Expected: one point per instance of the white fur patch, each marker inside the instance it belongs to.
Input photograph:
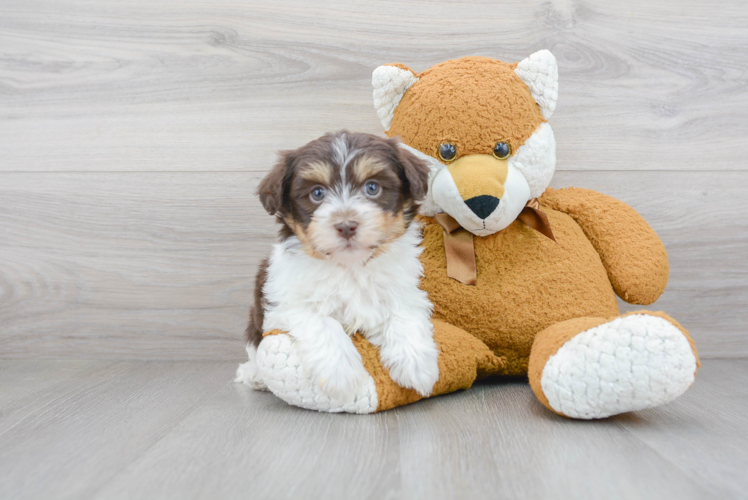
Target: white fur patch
(343, 156)
(628, 364)
(247, 372)
(278, 363)
(536, 159)
(390, 84)
(338, 206)
(540, 74)
(320, 302)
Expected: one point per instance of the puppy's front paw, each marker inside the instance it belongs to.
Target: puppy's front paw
(413, 367)
(338, 371)
(340, 379)
(247, 374)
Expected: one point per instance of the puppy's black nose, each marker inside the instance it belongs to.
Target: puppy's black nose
(482, 205)
(347, 229)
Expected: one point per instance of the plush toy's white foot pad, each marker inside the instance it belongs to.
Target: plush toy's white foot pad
(280, 368)
(628, 364)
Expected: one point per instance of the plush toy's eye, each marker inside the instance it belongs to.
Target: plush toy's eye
(502, 150)
(317, 194)
(447, 151)
(372, 189)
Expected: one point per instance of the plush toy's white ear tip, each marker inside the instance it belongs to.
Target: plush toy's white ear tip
(540, 74)
(390, 84)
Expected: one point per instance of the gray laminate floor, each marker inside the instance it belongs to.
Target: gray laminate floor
(98, 429)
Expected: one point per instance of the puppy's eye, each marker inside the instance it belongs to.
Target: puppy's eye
(447, 151)
(317, 194)
(372, 189)
(502, 150)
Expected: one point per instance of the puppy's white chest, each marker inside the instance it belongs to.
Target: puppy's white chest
(361, 298)
(358, 300)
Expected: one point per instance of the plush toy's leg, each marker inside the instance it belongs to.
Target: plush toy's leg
(462, 359)
(279, 365)
(247, 372)
(594, 367)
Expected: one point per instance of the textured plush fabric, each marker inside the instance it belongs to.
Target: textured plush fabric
(526, 282)
(455, 100)
(280, 367)
(632, 253)
(548, 342)
(597, 367)
(390, 83)
(540, 73)
(462, 360)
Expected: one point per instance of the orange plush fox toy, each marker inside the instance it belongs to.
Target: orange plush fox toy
(522, 277)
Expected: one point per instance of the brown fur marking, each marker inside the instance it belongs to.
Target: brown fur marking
(318, 172)
(253, 333)
(365, 168)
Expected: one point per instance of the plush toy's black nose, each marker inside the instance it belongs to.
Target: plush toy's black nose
(482, 205)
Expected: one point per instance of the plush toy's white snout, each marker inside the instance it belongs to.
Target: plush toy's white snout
(483, 214)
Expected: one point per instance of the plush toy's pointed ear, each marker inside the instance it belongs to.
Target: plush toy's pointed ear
(390, 83)
(540, 73)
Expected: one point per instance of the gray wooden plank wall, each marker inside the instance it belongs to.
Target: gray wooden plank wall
(133, 134)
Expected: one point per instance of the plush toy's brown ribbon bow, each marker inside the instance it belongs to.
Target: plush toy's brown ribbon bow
(458, 242)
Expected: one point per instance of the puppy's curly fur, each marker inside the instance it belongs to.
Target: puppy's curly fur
(346, 262)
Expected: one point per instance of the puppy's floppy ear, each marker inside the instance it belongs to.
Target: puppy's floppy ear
(274, 188)
(416, 172)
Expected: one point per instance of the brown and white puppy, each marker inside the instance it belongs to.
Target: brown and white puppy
(346, 262)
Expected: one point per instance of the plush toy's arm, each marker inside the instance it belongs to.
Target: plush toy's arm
(632, 253)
